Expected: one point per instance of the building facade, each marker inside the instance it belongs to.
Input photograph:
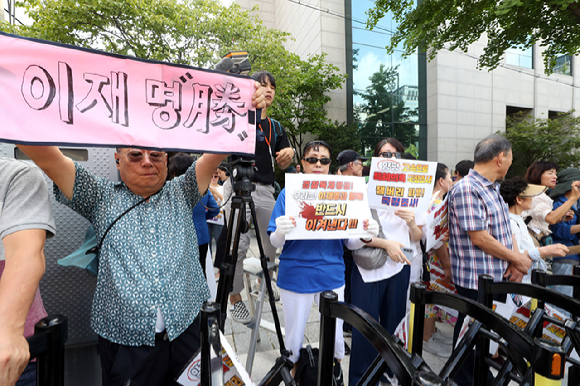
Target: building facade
(444, 106)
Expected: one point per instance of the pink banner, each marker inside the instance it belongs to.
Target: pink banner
(63, 95)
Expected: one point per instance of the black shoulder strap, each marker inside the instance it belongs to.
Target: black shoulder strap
(277, 127)
(96, 249)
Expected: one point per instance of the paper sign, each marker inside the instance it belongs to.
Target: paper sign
(234, 372)
(326, 206)
(217, 220)
(64, 95)
(437, 224)
(401, 184)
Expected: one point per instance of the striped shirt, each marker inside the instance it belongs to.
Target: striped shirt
(476, 205)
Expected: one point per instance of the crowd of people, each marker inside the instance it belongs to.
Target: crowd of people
(151, 281)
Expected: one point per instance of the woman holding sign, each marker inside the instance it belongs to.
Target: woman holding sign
(381, 292)
(309, 267)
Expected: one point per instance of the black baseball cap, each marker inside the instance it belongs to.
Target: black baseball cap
(347, 156)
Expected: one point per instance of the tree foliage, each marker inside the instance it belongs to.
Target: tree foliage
(382, 108)
(554, 24)
(196, 33)
(305, 89)
(537, 139)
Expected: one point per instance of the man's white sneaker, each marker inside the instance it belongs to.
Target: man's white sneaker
(442, 339)
(439, 350)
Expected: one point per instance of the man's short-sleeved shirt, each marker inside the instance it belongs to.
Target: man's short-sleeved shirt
(149, 259)
(476, 205)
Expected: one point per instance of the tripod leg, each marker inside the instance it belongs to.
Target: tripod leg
(264, 261)
(227, 269)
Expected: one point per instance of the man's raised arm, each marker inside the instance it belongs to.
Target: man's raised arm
(59, 168)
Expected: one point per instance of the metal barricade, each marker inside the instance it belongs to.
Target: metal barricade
(47, 346)
(532, 361)
(409, 369)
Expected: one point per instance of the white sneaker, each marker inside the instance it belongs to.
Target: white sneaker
(441, 339)
(439, 350)
(240, 313)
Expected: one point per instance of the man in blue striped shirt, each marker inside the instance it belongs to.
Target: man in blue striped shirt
(480, 237)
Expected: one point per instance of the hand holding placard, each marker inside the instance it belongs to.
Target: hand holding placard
(284, 225)
(372, 227)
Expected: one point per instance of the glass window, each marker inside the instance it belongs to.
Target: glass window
(520, 57)
(385, 87)
(563, 65)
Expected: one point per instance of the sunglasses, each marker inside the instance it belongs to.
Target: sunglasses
(136, 156)
(314, 160)
(388, 154)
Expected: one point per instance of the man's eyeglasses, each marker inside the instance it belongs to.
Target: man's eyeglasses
(388, 154)
(314, 160)
(136, 156)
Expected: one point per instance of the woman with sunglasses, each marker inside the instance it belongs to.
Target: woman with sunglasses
(382, 292)
(309, 267)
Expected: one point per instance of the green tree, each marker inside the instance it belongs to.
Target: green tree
(536, 139)
(301, 95)
(341, 136)
(432, 25)
(382, 108)
(196, 33)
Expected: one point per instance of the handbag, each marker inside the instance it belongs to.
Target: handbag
(370, 258)
(87, 256)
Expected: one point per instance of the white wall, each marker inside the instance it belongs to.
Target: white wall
(466, 104)
(314, 32)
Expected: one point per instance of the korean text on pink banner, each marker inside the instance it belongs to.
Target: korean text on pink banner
(63, 95)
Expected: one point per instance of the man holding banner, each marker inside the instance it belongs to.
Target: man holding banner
(150, 286)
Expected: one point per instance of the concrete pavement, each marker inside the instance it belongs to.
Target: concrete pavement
(267, 348)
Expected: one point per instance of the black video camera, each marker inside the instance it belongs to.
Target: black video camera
(235, 62)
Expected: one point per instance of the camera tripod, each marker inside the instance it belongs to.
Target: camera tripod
(242, 187)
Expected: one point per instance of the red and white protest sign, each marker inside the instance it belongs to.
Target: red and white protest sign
(401, 184)
(64, 95)
(326, 206)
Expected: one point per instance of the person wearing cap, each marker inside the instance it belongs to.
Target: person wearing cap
(566, 232)
(518, 195)
(350, 163)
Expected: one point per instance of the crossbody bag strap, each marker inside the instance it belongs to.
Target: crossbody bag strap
(96, 249)
(376, 218)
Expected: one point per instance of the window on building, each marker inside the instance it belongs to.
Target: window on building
(563, 65)
(520, 57)
(516, 112)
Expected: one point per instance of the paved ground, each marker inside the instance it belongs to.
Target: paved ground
(267, 349)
